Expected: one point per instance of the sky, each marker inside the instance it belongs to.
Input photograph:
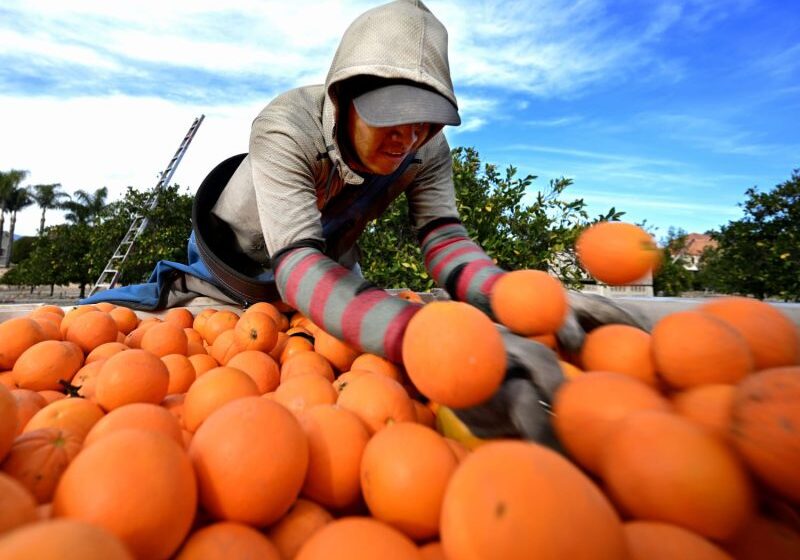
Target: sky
(668, 110)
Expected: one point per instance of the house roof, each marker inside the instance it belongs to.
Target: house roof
(696, 243)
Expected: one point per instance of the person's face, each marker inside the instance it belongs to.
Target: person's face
(381, 150)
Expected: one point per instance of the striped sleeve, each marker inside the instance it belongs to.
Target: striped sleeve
(343, 303)
(458, 264)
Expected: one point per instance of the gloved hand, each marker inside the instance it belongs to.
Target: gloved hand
(521, 407)
(589, 311)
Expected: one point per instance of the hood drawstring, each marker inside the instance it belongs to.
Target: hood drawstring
(330, 178)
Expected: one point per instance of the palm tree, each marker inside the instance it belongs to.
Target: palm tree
(9, 182)
(84, 207)
(17, 200)
(47, 197)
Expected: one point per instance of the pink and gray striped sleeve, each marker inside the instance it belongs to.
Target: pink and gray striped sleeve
(343, 303)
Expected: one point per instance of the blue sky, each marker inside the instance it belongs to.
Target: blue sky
(667, 110)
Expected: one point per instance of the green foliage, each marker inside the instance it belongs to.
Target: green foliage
(759, 255)
(78, 252)
(22, 249)
(672, 278)
(517, 234)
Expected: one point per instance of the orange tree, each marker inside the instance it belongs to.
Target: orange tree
(516, 224)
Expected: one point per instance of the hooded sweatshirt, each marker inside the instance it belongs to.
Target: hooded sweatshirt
(295, 207)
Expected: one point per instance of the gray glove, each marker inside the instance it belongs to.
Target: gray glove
(521, 407)
(589, 311)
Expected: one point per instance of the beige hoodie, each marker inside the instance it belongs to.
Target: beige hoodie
(285, 191)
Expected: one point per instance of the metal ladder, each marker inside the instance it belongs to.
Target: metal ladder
(108, 278)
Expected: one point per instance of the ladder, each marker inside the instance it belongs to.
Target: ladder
(108, 278)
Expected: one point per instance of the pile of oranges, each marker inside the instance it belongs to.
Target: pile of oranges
(255, 433)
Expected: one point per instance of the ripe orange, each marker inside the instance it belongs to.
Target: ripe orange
(51, 539)
(103, 486)
(377, 364)
(73, 414)
(296, 527)
(617, 252)
(709, 406)
(404, 473)
(346, 378)
(140, 416)
(619, 348)
(44, 364)
(766, 427)
(227, 540)
(28, 403)
(212, 390)
(772, 337)
(301, 392)
(307, 362)
(529, 302)
(336, 441)
(73, 314)
(125, 319)
(651, 540)
(17, 505)
(86, 379)
(165, 338)
(255, 331)
(509, 498)
(358, 538)
(181, 373)
(179, 316)
(104, 351)
(588, 407)
(263, 482)
(693, 348)
(217, 323)
(338, 353)
(39, 458)
(17, 335)
(377, 400)
(454, 354)
(764, 538)
(260, 367)
(224, 346)
(661, 467)
(91, 329)
(202, 363)
(131, 376)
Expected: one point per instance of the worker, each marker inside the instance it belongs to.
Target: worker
(282, 221)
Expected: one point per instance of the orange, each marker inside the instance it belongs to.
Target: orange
(140, 416)
(28, 403)
(151, 514)
(63, 539)
(91, 329)
(650, 540)
(772, 337)
(17, 505)
(73, 414)
(529, 302)
(377, 364)
(661, 467)
(346, 378)
(617, 252)
(766, 425)
(202, 363)
(125, 319)
(764, 538)
(200, 319)
(303, 520)
(260, 486)
(131, 376)
(305, 391)
(358, 538)
(306, 362)
(86, 379)
(255, 331)
(260, 367)
(377, 400)
(588, 407)
(212, 390)
(620, 348)
(224, 346)
(105, 350)
(38, 459)
(709, 406)
(165, 338)
(179, 316)
(73, 314)
(181, 373)
(509, 498)
(693, 348)
(336, 441)
(228, 540)
(218, 323)
(404, 473)
(338, 353)
(454, 354)
(17, 335)
(45, 364)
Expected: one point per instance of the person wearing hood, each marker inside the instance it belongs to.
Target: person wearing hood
(282, 221)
